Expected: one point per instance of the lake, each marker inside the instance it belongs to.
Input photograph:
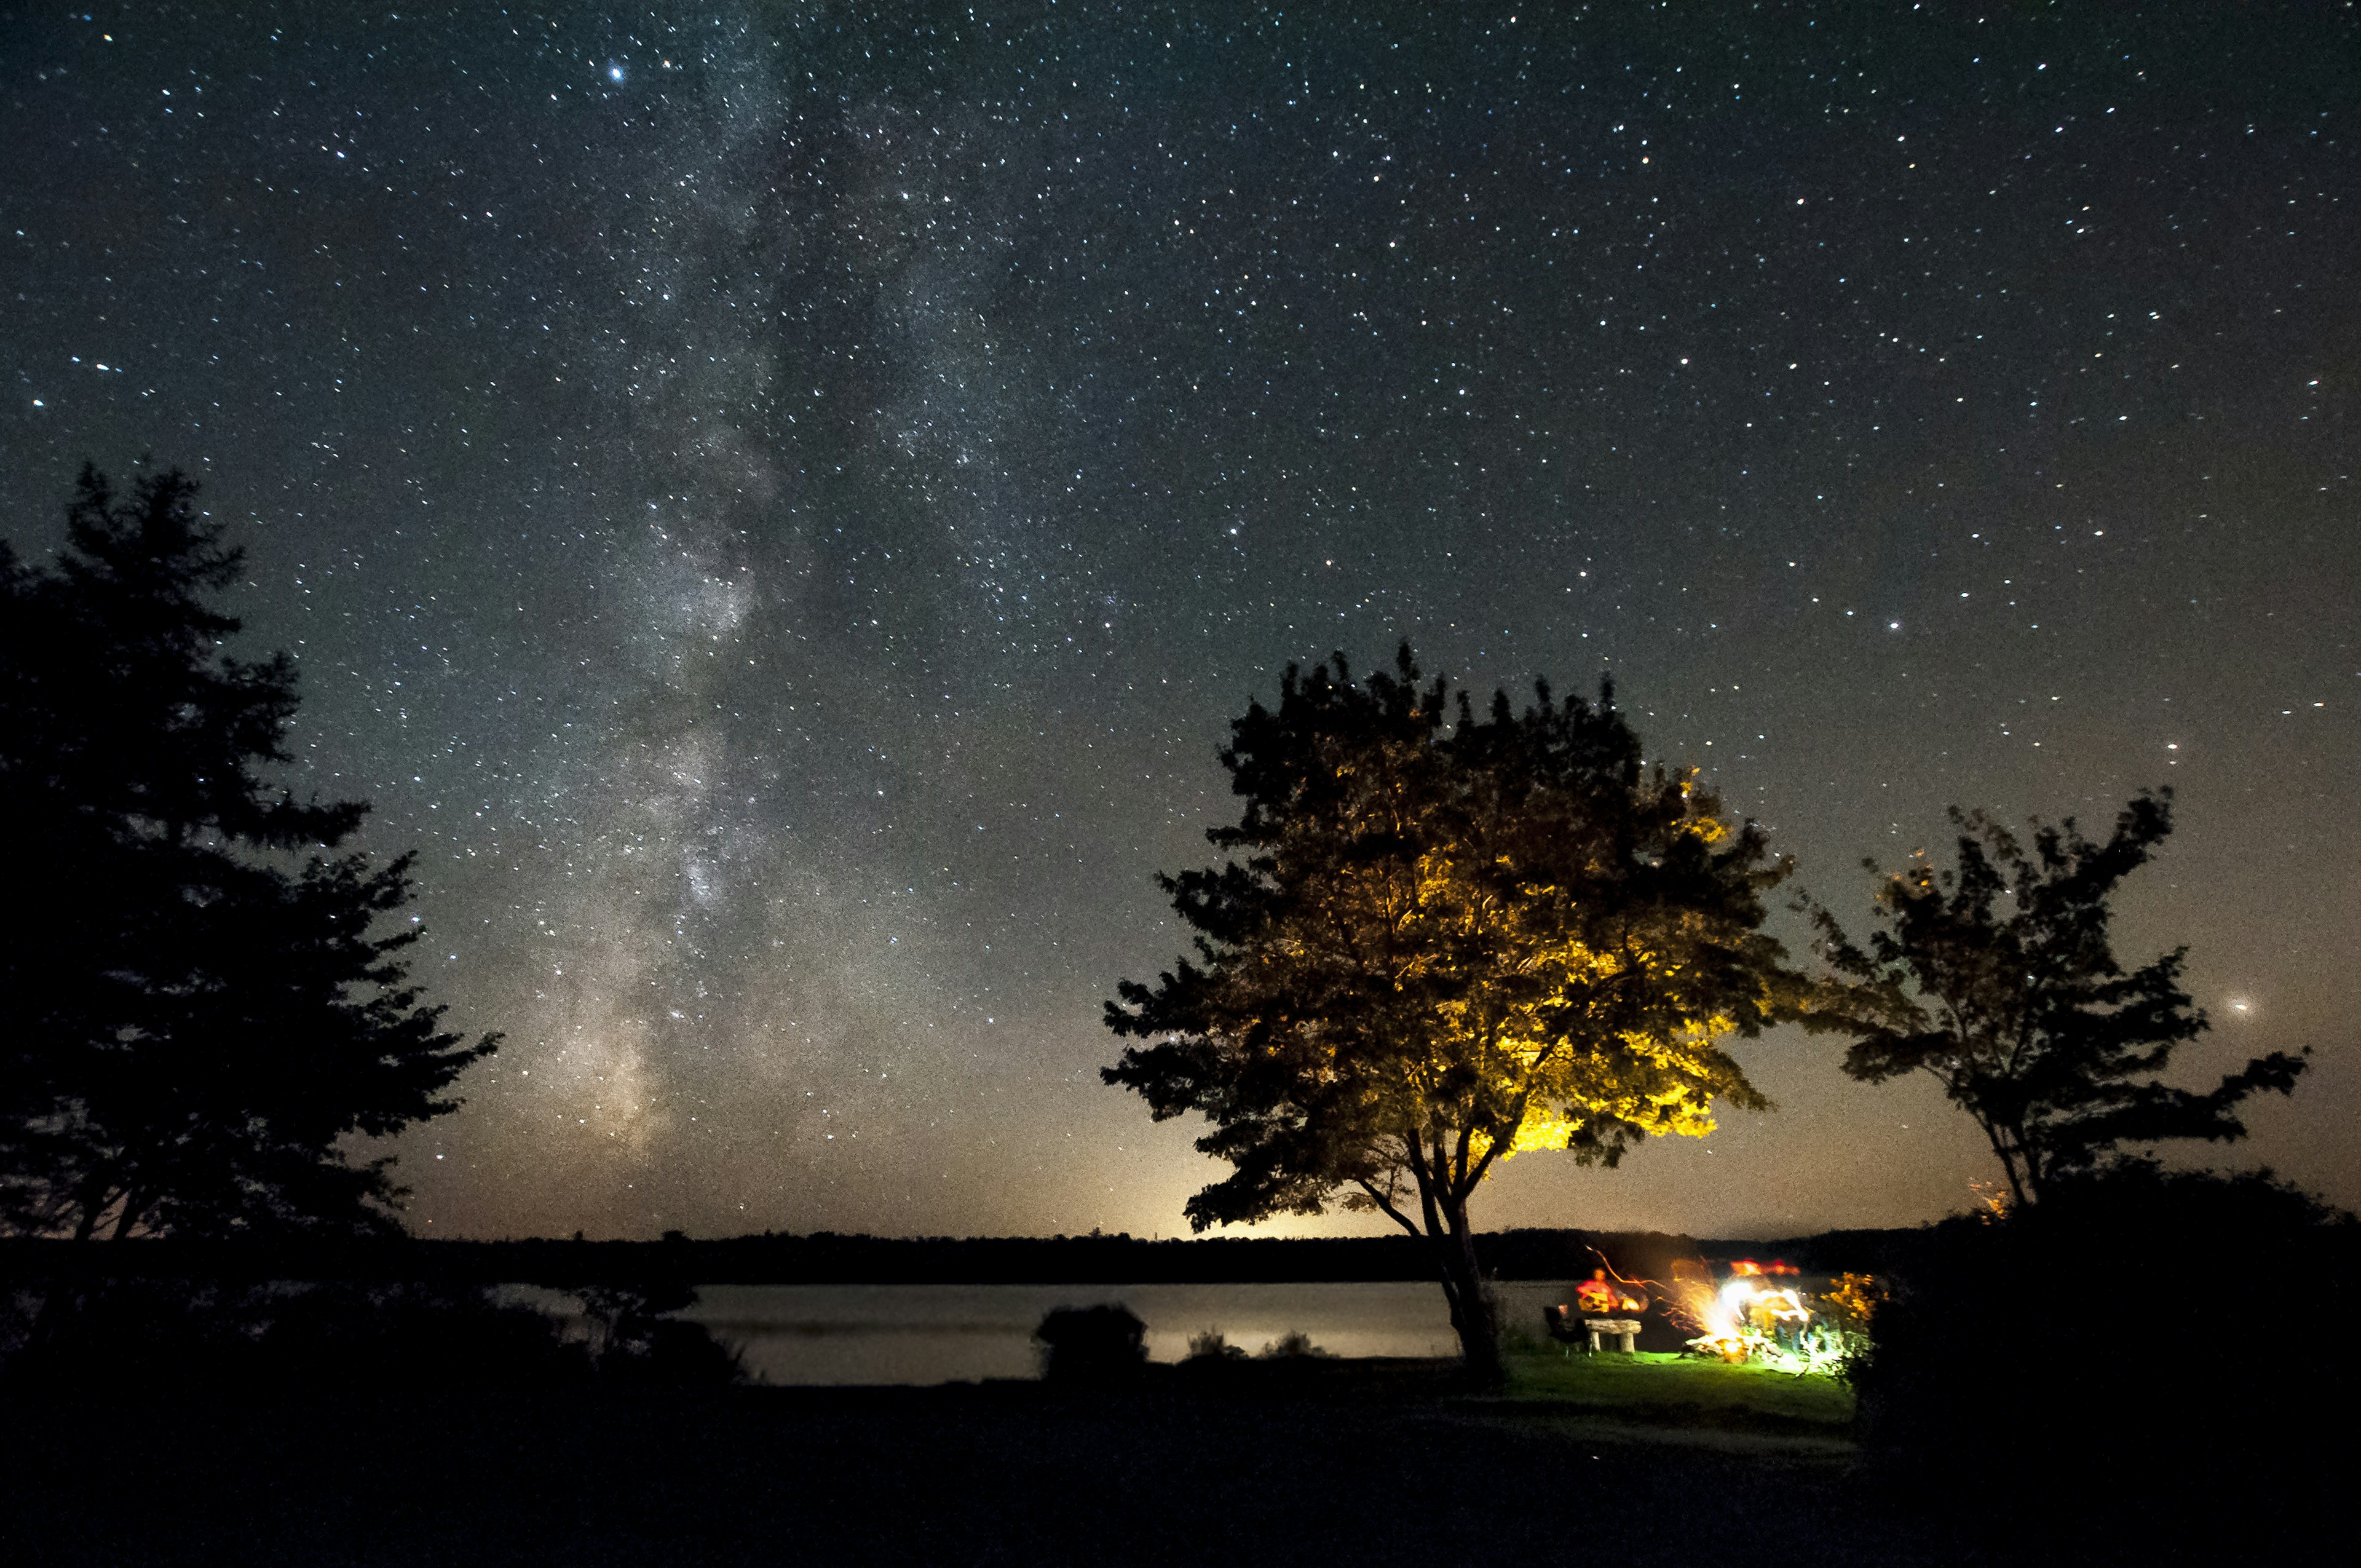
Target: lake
(952, 1334)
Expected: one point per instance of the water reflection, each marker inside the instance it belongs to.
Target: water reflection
(949, 1333)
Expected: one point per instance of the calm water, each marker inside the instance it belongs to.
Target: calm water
(949, 1333)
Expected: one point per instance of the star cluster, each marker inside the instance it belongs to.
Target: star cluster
(779, 503)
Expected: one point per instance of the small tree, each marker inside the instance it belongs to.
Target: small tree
(198, 1013)
(1437, 944)
(1999, 979)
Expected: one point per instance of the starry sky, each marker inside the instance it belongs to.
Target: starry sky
(778, 503)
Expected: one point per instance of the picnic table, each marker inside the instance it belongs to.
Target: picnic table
(1561, 1321)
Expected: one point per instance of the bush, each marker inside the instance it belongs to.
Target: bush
(1293, 1346)
(636, 1343)
(145, 1337)
(1212, 1346)
(109, 1338)
(413, 1339)
(2129, 1352)
(673, 1354)
(1091, 1344)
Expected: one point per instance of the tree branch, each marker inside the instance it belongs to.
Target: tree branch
(1385, 1204)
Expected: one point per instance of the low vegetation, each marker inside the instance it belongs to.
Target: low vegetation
(1092, 1346)
(139, 1338)
(2135, 1342)
(1664, 1389)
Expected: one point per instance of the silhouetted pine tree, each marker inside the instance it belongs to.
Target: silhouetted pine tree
(194, 1010)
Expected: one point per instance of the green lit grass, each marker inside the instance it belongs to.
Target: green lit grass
(1677, 1389)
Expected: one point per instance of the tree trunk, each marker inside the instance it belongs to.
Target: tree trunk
(92, 1197)
(1454, 1253)
(130, 1216)
(2012, 1162)
(1471, 1309)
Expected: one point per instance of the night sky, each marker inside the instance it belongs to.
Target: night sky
(779, 504)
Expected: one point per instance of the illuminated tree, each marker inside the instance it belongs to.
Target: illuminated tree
(1999, 979)
(1439, 942)
(194, 1012)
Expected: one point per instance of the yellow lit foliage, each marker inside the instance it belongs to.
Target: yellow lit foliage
(1493, 975)
(1856, 1296)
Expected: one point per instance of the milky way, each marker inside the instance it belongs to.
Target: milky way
(779, 503)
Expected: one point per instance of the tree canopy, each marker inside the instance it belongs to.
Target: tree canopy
(197, 1011)
(1999, 979)
(1439, 941)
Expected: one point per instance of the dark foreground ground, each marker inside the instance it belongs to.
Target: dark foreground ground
(1357, 1464)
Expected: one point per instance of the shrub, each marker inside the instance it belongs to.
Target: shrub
(673, 1354)
(112, 1337)
(411, 1339)
(1211, 1347)
(1091, 1344)
(142, 1337)
(2129, 1352)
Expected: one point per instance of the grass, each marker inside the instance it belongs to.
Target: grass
(1679, 1389)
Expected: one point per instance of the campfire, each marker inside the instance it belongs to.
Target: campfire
(1762, 1313)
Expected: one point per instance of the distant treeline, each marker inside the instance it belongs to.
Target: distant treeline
(826, 1257)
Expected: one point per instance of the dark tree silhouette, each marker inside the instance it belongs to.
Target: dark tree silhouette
(2000, 979)
(1105, 1344)
(1438, 944)
(196, 1012)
